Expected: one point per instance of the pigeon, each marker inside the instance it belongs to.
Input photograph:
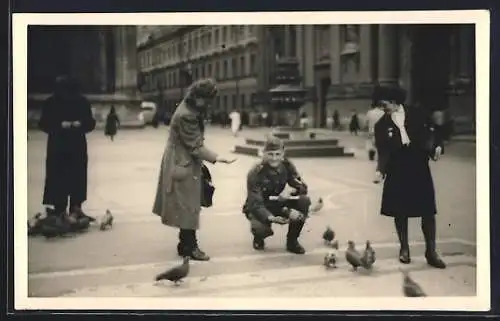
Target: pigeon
(175, 274)
(34, 224)
(317, 206)
(330, 260)
(352, 256)
(410, 287)
(106, 221)
(328, 235)
(368, 257)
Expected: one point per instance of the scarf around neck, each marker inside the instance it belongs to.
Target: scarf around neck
(398, 117)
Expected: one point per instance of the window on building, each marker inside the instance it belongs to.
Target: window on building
(251, 30)
(242, 97)
(224, 102)
(209, 41)
(243, 68)
(234, 67)
(202, 71)
(217, 102)
(225, 71)
(216, 37)
(209, 70)
(224, 34)
(216, 70)
(234, 101)
(253, 63)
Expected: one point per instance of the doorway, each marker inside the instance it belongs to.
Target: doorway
(324, 84)
(430, 65)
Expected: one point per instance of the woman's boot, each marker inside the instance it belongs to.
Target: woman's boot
(401, 224)
(192, 250)
(429, 231)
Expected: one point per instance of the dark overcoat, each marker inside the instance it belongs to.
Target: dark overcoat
(408, 187)
(178, 194)
(66, 160)
(112, 123)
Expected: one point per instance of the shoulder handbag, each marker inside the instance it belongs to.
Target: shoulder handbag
(207, 188)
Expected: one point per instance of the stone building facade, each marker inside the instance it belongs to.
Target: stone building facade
(102, 58)
(340, 64)
(226, 53)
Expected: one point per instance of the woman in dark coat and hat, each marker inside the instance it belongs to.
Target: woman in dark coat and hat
(179, 193)
(407, 138)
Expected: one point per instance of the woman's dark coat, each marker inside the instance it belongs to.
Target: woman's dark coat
(66, 160)
(408, 187)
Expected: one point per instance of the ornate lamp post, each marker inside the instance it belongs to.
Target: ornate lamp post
(287, 95)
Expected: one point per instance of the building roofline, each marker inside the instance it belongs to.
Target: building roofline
(150, 43)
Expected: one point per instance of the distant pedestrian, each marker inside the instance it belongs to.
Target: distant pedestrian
(66, 118)
(354, 124)
(373, 116)
(235, 117)
(409, 138)
(179, 191)
(304, 120)
(112, 123)
(336, 120)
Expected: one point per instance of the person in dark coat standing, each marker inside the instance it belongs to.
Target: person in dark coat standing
(408, 138)
(112, 123)
(179, 192)
(66, 118)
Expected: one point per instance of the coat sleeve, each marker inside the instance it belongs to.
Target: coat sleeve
(192, 138)
(255, 199)
(87, 120)
(294, 179)
(49, 120)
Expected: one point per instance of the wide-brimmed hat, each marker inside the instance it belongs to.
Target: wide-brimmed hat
(388, 93)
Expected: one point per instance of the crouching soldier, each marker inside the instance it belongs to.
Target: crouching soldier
(265, 203)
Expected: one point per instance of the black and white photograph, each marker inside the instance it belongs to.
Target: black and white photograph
(289, 161)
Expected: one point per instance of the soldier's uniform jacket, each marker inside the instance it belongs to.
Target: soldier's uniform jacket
(264, 181)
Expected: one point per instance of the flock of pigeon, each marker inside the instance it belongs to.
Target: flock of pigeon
(365, 260)
(51, 225)
(44, 225)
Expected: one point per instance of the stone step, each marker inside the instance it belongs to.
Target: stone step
(301, 151)
(297, 142)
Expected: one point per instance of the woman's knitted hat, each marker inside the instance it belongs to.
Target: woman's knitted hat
(203, 88)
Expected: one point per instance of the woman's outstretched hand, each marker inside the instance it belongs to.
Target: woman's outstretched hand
(224, 160)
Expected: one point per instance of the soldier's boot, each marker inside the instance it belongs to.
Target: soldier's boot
(78, 212)
(429, 231)
(192, 249)
(292, 242)
(260, 233)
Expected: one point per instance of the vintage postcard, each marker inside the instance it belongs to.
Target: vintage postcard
(247, 161)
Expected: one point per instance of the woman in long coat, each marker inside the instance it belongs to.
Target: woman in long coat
(407, 139)
(112, 123)
(66, 118)
(178, 195)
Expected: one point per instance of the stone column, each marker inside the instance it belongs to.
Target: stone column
(466, 40)
(365, 53)
(126, 60)
(309, 56)
(287, 40)
(387, 55)
(299, 50)
(335, 63)
(103, 63)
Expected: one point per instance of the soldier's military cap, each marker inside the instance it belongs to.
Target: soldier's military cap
(273, 143)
